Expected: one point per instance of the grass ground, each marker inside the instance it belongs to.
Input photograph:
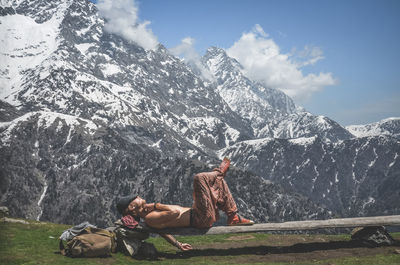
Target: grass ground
(37, 243)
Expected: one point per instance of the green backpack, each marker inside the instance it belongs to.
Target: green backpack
(92, 242)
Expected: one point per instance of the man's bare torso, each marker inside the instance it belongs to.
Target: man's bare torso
(180, 218)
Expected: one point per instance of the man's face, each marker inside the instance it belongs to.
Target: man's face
(136, 206)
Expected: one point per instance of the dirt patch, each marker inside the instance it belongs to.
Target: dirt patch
(278, 248)
(305, 253)
(238, 238)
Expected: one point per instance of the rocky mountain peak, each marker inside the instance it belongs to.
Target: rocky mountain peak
(41, 11)
(217, 60)
(77, 68)
(270, 111)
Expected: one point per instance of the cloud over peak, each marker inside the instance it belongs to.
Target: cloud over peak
(264, 62)
(122, 19)
(187, 51)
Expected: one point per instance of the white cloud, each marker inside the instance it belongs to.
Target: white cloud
(263, 62)
(122, 19)
(258, 29)
(187, 51)
(308, 56)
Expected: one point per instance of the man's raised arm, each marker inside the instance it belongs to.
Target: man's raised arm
(172, 240)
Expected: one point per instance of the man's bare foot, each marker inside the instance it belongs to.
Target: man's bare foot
(224, 166)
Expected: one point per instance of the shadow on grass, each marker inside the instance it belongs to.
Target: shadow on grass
(264, 250)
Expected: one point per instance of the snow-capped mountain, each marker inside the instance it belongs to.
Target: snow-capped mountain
(87, 116)
(270, 112)
(351, 178)
(389, 126)
(78, 69)
(251, 101)
(66, 169)
(305, 124)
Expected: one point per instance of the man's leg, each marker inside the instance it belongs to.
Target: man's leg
(226, 203)
(211, 193)
(205, 211)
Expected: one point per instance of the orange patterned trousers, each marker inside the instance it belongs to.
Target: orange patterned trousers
(210, 194)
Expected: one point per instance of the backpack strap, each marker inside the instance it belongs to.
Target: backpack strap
(62, 248)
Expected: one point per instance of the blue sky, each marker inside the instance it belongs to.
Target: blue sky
(355, 45)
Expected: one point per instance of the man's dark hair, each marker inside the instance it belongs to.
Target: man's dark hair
(123, 203)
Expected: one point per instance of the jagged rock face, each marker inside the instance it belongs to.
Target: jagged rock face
(250, 100)
(86, 116)
(270, 112)
(304, 124)
(351, 178)
(70, 171)
(40, 11)
(86, 72)
(4, 11)
(8, 112)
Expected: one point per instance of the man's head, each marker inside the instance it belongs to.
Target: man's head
(123, 203)
(132, 205)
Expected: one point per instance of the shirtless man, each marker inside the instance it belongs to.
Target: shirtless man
(210, 194)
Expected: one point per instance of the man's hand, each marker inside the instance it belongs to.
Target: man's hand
(184, 246)
(176, 243)
(148, 207)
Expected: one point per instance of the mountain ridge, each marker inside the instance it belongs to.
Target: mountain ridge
(270, 112)
(388, 126)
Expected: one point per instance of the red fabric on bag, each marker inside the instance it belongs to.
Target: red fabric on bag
(129, 221)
